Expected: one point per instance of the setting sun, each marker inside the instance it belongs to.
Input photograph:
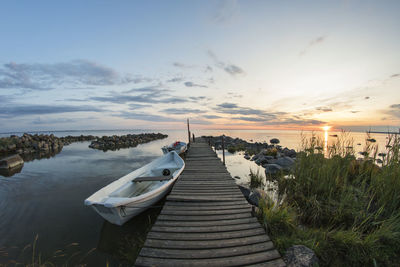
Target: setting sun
(326, 128)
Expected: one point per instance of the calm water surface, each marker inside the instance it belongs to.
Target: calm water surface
(46, 198)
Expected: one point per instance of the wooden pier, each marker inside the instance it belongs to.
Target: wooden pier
(206, 221)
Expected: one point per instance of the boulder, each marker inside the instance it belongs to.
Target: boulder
(300, 256)
(274, 141)
(272, 169)
(245, 191)
(285, 162)
(11, 162)
(255, 197)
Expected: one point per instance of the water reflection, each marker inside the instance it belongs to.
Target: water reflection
(27, 158)
(10, 172)
(326, 142)
(124, 242)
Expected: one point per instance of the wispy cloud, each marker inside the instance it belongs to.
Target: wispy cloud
(231, 69)
(183, 111)
(314, 42)
(393, 110)
(324, 109)
(175, 80)
(38, 76)
(212, 116)
(183, 65)
(226, 11)
(146, 117)
(150, 94)
(27, 109)
(192, 84)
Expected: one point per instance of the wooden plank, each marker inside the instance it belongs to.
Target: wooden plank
(206, 236)
(194, 208)
(205, 229)
(203, 212)
(205, 253)
(204, 218)
(273, 263)
(209, 244)
(206, 223)
(240, 260)
(208, 190)
(207, 204)
(199, 198)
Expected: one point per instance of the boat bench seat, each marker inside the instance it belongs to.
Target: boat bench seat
(152, 178)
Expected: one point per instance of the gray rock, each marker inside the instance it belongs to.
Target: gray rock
(254, 198)
(11, 162)
(245, 191)
(300, 256)
(272, 169)
(285, 162)
(274, 141)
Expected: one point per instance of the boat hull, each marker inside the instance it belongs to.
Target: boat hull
(121, 214)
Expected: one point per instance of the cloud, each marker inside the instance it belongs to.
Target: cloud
(313, 42)
(146, 117)
(182, 65)
(191, 84)
(227, 105)
(234, 109)
(395, 75)
(324, 109)
(355, 111)
(40, 121)
(38, 76)
(212, 116)
(138, 106)
(231, 69)
(182, 111)
(367, 97)
(175, 80)
(226, 12)
(234, 95)
(149, 94)
(198, 98)
(393, 110)
(16, 110)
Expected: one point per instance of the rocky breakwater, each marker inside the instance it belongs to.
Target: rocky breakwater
(125, 141)
(43, 143)
(273, 157)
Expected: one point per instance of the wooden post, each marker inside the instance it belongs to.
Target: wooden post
(223, 149)
(209, 141)
(188, 131)
(193, 139)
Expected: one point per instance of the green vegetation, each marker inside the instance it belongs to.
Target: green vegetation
(256, 179)
(235, 148)
(346, 210)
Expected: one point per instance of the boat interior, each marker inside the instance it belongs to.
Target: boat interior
(137, 188)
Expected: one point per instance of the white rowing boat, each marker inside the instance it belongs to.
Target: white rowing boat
(179, 147)
(128, 196)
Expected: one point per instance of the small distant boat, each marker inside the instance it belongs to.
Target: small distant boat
(179, 147)
(128, 196)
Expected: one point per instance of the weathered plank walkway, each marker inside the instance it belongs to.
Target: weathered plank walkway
(206, 221)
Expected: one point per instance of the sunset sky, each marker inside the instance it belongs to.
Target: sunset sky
(223, 64)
